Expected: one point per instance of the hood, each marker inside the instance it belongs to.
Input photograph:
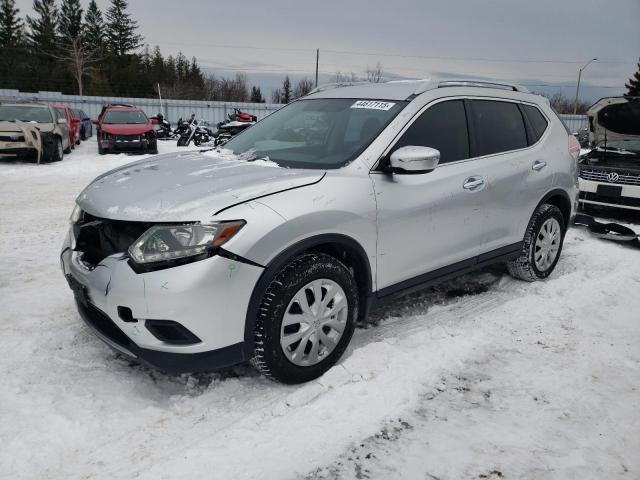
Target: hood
(614, 119)
(18, 126)
(126, 129)
(186, 186)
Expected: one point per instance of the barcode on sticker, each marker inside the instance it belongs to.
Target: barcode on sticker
(373, 105)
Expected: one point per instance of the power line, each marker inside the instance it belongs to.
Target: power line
(384, 54)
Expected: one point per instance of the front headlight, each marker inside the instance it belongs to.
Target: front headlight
(75, 215)
(173, 242)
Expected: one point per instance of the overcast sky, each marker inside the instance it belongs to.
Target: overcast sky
(535, 42)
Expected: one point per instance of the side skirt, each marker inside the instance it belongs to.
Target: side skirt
(500, 255)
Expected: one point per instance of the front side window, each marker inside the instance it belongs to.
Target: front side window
(317, 133)
(60, 112)
(126, 117)
(443, 127)
(499, 127)
(11, 113)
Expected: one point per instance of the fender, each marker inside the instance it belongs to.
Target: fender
(283, 258)
(562, 193)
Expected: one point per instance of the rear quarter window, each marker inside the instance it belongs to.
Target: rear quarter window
(499, 127)
(537, 121)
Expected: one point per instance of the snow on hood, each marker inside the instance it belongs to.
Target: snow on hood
(187, 186)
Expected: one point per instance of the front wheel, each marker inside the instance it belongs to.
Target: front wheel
(56, 154)
(306, 319)
(542, 245)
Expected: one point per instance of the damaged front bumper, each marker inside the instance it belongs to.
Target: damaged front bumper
(182, 319)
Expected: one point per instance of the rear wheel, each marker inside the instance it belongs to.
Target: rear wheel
(542, 245)
(306, 319)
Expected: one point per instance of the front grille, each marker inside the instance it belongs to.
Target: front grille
(103, 324)
(127, 138)
(624, 178)
(97, 238)
(11, 138)
(622, 201)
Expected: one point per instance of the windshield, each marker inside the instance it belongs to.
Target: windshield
(120, 116)
(25, 113)
(317, 133)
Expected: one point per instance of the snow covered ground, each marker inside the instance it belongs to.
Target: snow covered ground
(484, 377)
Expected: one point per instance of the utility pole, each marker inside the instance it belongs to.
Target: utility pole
(317, 61)
(575, 104)
(160, 98)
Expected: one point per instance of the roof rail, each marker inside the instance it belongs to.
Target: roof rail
(330, 86)
(483, 84)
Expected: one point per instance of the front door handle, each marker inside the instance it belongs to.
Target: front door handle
(538, 165)
(473, 183)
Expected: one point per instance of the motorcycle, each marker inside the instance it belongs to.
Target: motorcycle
(236, 122)
(163, 131)
(192, 130)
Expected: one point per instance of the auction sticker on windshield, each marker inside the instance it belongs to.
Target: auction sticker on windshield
(373, 105)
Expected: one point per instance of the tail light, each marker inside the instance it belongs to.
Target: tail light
(574, 147)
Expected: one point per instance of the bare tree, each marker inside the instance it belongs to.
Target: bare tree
(78, 58)
(346, 77)
(303, 87)
(375, 74)
(227, 89)
(276, 95)
(562, 104)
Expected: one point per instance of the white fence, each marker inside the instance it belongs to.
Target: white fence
(213, 112)
(575, 122)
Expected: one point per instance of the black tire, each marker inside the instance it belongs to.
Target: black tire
(182, 142)
(68, 149)
(101, 151)
(55, 154)
(524, 267)
(153, 148)
(269, 357)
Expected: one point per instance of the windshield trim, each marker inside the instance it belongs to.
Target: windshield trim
(325, 166)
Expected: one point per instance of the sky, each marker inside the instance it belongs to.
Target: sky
(541, 43)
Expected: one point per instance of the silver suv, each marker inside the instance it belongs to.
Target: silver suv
(273, 248)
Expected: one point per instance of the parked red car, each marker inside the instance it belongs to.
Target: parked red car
(122, 127)
(73, 124)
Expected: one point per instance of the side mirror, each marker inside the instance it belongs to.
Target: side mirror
(94, 121)
(412, 159)
(154, 121)
(62, 121)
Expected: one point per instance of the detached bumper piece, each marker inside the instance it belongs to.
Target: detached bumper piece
(165, 330)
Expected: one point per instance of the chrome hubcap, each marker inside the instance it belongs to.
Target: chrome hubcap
(313, 322)
(547, 244)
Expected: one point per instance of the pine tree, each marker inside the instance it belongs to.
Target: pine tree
(10, 25)
(121, 29)
(256, 95)
(42, 28)
(633, 86)
(93, 28)
(70, 21)
(11, 42)
(285, 95)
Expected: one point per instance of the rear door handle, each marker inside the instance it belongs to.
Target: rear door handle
(473, 183)
(538, 165)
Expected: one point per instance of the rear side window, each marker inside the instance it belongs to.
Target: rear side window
(537, 121)
(499, 127)
(443, 127)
